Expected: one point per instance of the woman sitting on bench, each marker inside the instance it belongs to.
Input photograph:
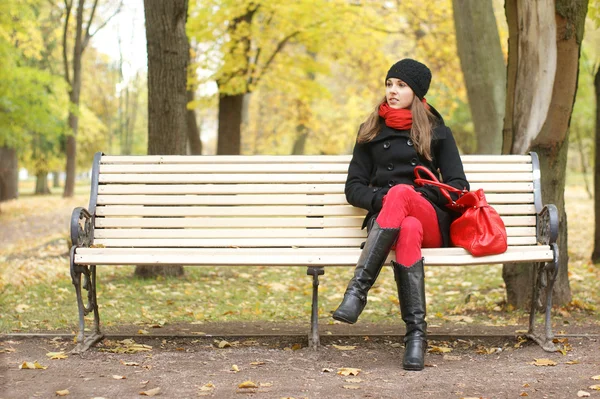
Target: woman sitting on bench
(401, 133)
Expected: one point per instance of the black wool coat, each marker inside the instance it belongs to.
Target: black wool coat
(390, 159)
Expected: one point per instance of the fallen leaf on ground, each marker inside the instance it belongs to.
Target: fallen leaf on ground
(583, 394)
(596, 377)
(543, 362)
(7, 350)
(143, 332)
(150, 392)
(524, 394)
(439, 349)
(295, 347)
(207, 387)
(594, 387)
(119, 377)
(573, 362)
(346, 371)
(248, 384)
(344, 348)
(32, 366)
(327, 370)
(351, 386)
(224, 344)
(266, 384)
(257, 363)
(63, 392)
(124, 363)
(235, 368)
(56, 355)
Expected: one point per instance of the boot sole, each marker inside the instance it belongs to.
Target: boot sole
(339, 318)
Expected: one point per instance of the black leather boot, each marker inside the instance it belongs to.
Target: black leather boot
(376, 249)
(411, 293)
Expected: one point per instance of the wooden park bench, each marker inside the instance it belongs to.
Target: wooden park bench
(279, 211)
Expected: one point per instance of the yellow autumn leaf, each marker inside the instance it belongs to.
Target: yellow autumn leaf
(119, 377)
(266, 384)
(248, 384)
(257, 363)
(595, 387)
(524, 394)
(346, 371)
(573, 362)
(56, 355)
(224, 344)
(143, 332)
(235, 368)
(583, 394)
(344, 348)
(207, 387)
(439, 349)
(150, 392)
(32, 366)
(63, 392)
(543, 362)
(596, 377)
(295, 347)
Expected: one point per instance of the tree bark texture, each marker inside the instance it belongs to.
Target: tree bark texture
(193, 133)
(41, 183)
(168, 54)
(168, 48)
(484, 71)
(9, 174)
(539, 109)
(230, 122)
(596, 251)
(74, 94)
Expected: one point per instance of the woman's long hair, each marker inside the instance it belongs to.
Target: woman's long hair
(420, 133)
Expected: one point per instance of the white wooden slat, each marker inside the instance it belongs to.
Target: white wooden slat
(495, 159)
(229, 168)
(223, 159)
(255, 242)
(497, 167)
(181, 189)
(173, 178)
(265, 233)
(272, 199)
(292, 210)
(229, 211)
(267, 222)
(292, 256)
(281, 168)
(243, 199)
(499, 177)
(278, 178)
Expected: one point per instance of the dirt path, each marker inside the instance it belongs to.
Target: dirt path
(283, 367)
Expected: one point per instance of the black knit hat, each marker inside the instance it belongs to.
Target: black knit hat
(413, 73)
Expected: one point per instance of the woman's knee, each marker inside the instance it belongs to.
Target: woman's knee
(400, 191)
(411, 226)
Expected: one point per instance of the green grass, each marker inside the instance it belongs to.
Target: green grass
(36, 291)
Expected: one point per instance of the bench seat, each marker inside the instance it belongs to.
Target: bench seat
(278, 211)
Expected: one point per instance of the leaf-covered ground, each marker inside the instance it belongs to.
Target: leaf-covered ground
(199, 327)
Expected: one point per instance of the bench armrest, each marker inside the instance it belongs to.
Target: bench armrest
(547, 225)
(82, 228)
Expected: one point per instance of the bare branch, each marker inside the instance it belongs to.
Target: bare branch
(89, 35)
(278, 49)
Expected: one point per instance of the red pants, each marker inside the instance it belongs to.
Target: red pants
(406, 209)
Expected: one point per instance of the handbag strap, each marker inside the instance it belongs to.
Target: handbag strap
(433, 181)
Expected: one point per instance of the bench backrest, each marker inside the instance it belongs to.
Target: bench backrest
(270, 201)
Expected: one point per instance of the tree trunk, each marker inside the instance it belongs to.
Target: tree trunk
(193, 133)
(41, 184)
(547, 43)
(482, 64)
(168, 53)
(9, 174)
(596, 251)
(56, 179)
(230, 122)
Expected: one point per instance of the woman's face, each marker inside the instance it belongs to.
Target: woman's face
(398, 94)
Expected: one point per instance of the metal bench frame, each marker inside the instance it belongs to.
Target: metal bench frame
(84, 275)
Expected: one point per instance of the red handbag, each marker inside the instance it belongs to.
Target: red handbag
(479, 229)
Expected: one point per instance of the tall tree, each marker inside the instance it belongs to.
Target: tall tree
(596, 251)
(543, 66)
(484, 71)
(168, 55)
(73, 74)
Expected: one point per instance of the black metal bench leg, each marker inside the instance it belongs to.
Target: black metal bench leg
(89, 283)
(545, 277)
(313, 338)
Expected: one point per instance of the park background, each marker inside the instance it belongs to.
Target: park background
(299, 77)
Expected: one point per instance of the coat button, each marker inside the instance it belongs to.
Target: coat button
(390, 166)
(386, 145)
(375, 189)
(414, 162)
(409, 142)
(391, 183)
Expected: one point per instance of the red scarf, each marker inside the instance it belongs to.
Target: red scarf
(400, 119)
